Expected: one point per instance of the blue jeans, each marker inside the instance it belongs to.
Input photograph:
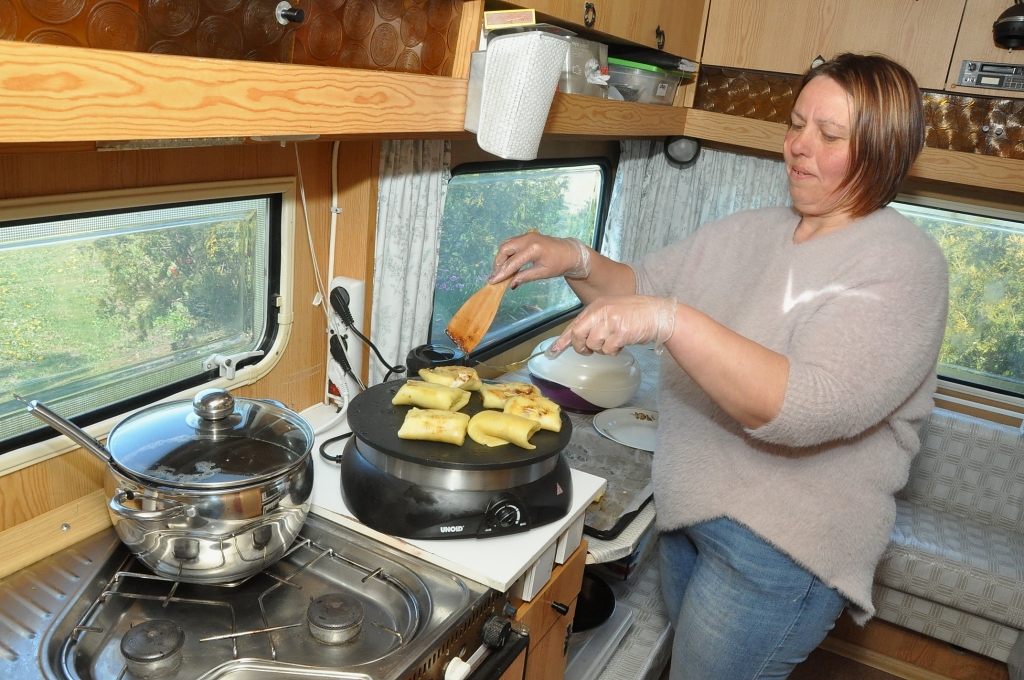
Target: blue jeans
(741, 609)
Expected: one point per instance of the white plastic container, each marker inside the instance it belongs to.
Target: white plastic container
(520, 77)
(642, 83)
(585, 384)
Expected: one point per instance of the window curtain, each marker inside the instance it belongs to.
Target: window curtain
(655, 202)
(414, 177)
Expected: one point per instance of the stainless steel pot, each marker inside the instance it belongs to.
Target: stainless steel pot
(211, 490)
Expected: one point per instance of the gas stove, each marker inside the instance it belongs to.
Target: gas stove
(338, 605)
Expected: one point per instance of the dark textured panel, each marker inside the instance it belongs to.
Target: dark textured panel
(982, 125)
(751, 94)
(418, 36)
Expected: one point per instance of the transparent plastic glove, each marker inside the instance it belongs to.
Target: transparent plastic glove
(547, 256)
(609, 324)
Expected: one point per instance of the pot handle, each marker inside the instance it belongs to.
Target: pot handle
(173, 509)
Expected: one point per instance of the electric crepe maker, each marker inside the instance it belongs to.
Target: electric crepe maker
(585, 383)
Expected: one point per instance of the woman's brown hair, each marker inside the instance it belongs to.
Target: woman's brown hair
(888, 126)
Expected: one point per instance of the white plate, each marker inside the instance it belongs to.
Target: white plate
(634, 427)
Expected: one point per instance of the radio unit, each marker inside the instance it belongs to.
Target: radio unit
(992, 76)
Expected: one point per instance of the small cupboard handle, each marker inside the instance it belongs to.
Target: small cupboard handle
(562, 609)
(589, 14)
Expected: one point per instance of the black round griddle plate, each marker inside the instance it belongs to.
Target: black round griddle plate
(376, 421)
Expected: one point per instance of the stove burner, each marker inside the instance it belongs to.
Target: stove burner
(153, 648)
(334, 618)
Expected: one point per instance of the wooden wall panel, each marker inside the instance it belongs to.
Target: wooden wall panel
(298, 378)
(41, 488)
(469, 36)
(358, 164)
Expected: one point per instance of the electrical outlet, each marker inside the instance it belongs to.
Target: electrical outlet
(356, 293)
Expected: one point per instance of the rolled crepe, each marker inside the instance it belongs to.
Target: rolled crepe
(495, 396)
(463, 377)
(541, 409)
(434, 425)
(491, 428)
(427, 395)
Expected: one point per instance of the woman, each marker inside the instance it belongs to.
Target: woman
(801, 349)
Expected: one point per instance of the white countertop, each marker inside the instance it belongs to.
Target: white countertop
(495, 562)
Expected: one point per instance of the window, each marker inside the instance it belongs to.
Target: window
(984, 343)
(487, 203)
(111, 301)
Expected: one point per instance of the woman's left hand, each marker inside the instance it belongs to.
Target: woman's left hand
(610, 323)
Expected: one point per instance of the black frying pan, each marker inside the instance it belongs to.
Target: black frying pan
(595, 604)
(375, 420)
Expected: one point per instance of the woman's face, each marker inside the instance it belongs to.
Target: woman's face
(817, 148)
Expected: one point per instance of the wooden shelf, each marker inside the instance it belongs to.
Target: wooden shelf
(66, 94)
(51, 94)
(65, 97)
(581, 116)
(989, 172)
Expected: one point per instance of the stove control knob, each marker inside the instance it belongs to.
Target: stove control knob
(495, 631)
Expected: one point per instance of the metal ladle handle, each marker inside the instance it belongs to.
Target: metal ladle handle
(66, 427)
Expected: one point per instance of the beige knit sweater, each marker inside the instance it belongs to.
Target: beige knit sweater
(860, 314)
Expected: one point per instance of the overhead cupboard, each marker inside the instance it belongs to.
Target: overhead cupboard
(787, 35)
(672, 26)
(932, 39)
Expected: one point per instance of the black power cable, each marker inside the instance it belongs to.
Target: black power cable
(339, 303)
(332, 440)
(337, 348)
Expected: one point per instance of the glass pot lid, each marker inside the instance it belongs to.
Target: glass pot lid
(212, 441)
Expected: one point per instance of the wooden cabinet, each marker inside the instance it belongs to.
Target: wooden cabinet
(599, 15)
(516, 670)
(679, 23)
(786, 35)
(975, 43)
(546, 660)
(549, 617)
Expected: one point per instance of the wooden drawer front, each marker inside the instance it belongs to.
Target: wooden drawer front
(566, 580)
(546, 659)
(516, 670)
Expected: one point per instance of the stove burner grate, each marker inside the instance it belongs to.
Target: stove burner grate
(153, 647)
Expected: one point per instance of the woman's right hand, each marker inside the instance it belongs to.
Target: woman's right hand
(550, 257)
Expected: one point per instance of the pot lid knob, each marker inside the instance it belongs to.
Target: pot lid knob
(213, 404)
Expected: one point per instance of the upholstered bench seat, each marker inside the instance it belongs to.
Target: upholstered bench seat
(954, 568)
(957, 562)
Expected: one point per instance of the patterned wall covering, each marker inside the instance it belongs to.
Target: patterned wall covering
(751, 94)
(417, 36)
(985, 125)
